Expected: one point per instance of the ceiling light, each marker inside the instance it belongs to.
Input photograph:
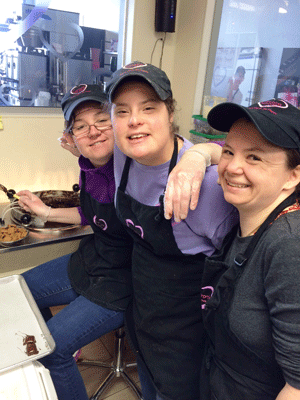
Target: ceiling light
(282, 10)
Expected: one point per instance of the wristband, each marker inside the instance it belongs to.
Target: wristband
(204, 154)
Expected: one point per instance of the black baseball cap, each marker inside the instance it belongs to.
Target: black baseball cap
(276, 119)
(153, 75)
(79, 94)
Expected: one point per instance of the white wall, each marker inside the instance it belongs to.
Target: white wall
(31, 157)
(182, 49)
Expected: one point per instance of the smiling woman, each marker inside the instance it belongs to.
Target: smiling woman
(92, 132)
(252, 314)
(94, 281)
(142, 124)
(164, 321)
(253, 174)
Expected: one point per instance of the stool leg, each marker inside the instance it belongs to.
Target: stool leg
(103, 386)
(133, 386)
(117, 368)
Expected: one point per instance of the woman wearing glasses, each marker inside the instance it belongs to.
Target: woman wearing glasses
(95, 280)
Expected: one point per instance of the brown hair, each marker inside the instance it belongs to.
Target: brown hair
(293, 160)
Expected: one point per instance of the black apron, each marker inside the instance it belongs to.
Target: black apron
(231, 371)
(100, 269)
(164, 321)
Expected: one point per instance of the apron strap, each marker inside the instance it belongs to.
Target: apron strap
(241, 258)
(82, 190)
(125, 173)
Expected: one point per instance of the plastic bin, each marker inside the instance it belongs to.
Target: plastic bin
(204, 133)
(30, 381)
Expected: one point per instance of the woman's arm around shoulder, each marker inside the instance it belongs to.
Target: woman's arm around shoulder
(185, 180)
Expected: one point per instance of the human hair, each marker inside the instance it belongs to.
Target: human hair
(293, 160)
(171, 103)
(103, 107)
(240, 70)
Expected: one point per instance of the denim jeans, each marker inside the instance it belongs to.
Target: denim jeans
(148, 390)
(76, 325)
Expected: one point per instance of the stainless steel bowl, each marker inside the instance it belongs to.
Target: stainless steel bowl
(16, 242)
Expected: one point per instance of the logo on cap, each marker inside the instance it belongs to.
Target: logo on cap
(273, 103)
(135, 65)
(78, 89)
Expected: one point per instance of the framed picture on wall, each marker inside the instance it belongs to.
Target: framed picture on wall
(288, 81)
(235, 74)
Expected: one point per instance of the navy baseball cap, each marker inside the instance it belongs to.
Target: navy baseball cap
(79, 94)
(153, 75)
(277, 120)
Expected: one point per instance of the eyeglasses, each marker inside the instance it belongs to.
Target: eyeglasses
(84, 129)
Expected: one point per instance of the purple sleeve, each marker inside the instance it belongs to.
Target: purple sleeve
(84, 221)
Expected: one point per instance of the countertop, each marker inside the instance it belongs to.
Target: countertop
(40, 237)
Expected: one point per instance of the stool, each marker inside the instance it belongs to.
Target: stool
(117, 367)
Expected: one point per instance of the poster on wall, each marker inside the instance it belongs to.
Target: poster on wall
(235, 74)
(288, 81)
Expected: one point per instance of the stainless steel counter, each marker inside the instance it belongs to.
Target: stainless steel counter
(40, 238)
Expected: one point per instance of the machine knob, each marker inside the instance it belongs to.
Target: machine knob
(76, 187)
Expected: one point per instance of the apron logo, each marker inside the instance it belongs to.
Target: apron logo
(206, 294)
(100, 223)
(137, 229)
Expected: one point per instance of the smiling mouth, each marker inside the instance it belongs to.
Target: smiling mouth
(236, 185)
(138, 136)
(98, 142)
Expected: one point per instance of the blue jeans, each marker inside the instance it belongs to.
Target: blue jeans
(76, 325)
(148, 390)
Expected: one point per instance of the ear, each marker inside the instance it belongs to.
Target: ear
(294, 179)
(171, 118)
(69, 139)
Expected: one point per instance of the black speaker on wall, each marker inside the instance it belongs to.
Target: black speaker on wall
(165, 15)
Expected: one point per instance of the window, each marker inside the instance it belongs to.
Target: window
(49, 46)
(256, 55)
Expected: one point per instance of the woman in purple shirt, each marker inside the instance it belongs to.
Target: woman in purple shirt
(164, 319)
(94, 281)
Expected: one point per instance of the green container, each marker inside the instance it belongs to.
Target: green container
(203, 129)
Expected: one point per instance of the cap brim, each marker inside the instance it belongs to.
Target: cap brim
(162, 94)
(224, 115)
(69, 108)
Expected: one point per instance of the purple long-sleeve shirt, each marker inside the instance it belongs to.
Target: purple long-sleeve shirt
(100, 183)
(204, 228)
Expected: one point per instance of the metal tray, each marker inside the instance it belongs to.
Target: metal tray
(48, 227)
(24, 335)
